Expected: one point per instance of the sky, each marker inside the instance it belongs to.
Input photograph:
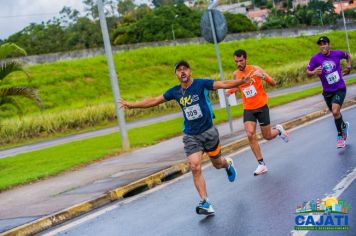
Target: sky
(17, 14)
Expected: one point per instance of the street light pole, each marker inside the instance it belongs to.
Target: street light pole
(347, 36)
(113, 77)
(321, 18)
(174, 36)
(173, 33)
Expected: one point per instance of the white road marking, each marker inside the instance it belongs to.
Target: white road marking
(126, 201)
(319, 119)
(340, 187)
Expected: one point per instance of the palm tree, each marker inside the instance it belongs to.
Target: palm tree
(7, 66)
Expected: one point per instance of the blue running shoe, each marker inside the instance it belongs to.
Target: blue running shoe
(205, 208)
(345, 131)
(230, 170)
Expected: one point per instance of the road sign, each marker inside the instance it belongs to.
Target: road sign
(220, 26)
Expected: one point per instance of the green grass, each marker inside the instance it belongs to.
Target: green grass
(77, 93)
(145, 72)
(28, 167)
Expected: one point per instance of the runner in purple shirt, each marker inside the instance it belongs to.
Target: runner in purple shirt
(326, 64)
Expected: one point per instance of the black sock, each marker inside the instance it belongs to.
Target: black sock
(261, 162)
(343, 125)
(339, 123)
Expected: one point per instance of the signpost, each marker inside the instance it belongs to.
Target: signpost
(214, 29)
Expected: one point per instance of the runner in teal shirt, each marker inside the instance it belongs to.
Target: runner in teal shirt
(200, 135)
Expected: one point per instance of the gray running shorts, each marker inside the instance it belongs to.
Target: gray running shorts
(207, 142)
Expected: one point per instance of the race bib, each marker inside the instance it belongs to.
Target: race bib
(193, 112)
(249, 91)
(333, 78)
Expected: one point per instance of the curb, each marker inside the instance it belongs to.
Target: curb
(142, 184)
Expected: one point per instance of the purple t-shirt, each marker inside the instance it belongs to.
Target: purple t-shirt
(331, 76)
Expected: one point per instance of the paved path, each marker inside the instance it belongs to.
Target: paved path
(53, 142)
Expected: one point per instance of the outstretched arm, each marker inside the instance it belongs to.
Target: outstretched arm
(226, 84)
(150, 102)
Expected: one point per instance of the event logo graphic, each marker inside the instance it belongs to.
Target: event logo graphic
(329, 66)
(326, 214)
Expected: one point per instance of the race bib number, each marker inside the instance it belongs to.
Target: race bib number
(249, 91)
(333, 77)
(193, 112)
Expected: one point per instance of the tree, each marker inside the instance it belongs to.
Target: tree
(125, 6)
(350, 13)
(8, 65)
(91, 8)
(278, 20)
(260, 3)
(85, 33)
(322, 9)
(68, 15)
(157, 25)
(159, 3)
(315, 13)
(41, 38)
(237, 23)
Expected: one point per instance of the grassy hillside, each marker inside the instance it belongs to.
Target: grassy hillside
(77, 93)
(148, 71)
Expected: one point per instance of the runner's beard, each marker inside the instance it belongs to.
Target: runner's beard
(241, 68)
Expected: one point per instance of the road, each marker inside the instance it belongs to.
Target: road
(57, 141)
(306, 168)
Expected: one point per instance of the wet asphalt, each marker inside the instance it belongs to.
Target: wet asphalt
(306, 168)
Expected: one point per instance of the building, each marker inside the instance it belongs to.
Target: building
(296, 3)
(259, 16)
(345, 5)
(318, 204)
(190, 3)
(236, 8)
(313, 205)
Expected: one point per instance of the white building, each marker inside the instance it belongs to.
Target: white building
(236, 8)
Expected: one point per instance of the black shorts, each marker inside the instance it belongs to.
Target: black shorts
(261, 115)
(337, 97)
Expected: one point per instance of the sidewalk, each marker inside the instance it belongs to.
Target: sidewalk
(30, 202)
(142, 122)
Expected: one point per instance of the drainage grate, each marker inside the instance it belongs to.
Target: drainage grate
(172, 176)
(136, 191)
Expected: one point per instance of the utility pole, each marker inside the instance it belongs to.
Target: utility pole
(113, 77)
(347, 36)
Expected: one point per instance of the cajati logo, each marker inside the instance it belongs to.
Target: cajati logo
(326, 214)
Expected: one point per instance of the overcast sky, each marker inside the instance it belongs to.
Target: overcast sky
(17, 14)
